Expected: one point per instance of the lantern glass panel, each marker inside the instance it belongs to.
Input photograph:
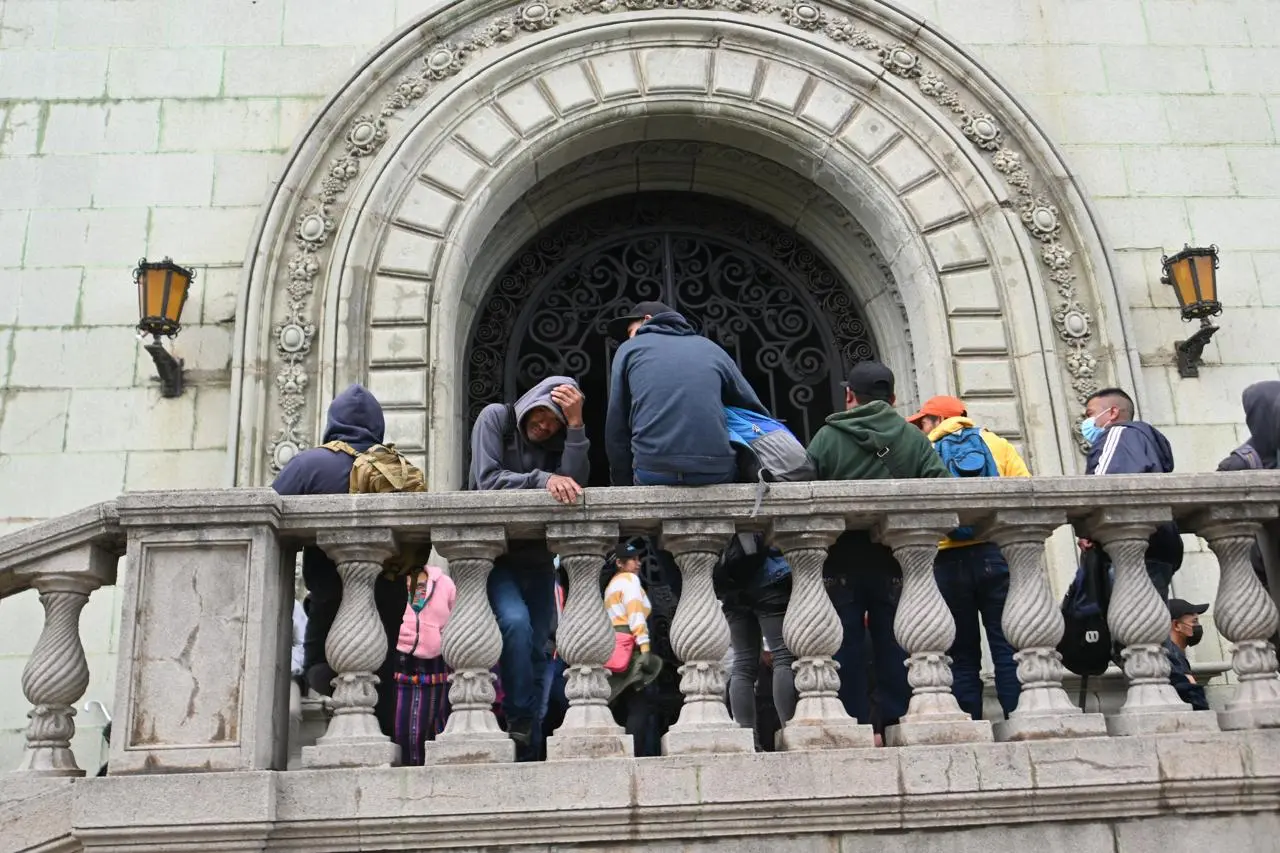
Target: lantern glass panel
(1206, 277)
(153, 292)
(1180, 272)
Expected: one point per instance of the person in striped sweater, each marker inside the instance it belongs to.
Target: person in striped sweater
(632, 666)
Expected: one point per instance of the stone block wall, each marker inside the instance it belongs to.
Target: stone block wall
(156, 127)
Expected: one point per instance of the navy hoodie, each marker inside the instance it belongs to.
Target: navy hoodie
(503, 457)
(667, 394)
(1136, 447)
(355, 417)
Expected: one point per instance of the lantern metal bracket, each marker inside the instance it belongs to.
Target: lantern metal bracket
(1188, 353)
(168, 366)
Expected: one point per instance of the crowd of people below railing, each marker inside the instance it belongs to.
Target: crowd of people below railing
(675, 398)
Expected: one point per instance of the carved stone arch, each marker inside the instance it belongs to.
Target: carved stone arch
(371, 256)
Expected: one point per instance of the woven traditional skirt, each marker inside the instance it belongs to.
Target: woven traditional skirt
(422, 703)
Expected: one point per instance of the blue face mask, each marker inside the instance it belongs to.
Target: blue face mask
(1091, 431)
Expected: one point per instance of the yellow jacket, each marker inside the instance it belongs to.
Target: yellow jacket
(1006, 455)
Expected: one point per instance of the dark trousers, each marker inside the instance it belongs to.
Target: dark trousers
(755, 615)
(324, 586)
(974, 581)
(635, 710)
(865, 583)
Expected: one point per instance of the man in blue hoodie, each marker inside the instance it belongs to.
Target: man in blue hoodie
(539, 443)
(1120, 445)
(667, 392)
(355, 417)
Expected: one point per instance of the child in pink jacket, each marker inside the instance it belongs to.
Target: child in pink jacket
(421, 676)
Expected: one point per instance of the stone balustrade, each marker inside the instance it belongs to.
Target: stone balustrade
(202, 683)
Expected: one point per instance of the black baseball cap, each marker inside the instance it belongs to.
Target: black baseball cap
(1179, 608)
(626, 551)
(618, 326)
(870, 380)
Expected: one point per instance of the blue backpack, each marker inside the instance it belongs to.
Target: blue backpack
(767, 451)
(772, 453)
(965, 454)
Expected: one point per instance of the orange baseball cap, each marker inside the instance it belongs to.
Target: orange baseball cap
(940, 407)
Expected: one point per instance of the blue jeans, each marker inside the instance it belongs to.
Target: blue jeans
(679, 478)
(522, 595)
(865, 583)
(974, 580)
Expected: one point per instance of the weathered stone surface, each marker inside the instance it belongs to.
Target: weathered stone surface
(866, 799)
(201, 683)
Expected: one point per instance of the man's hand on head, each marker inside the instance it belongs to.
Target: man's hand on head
(564, 489)
(570, 400)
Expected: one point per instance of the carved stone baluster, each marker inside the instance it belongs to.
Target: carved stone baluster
(1139, 621)
(1033, 625)
(1246, 615)
(57, 674)
(584, 639)
(472, 645)
(812, 631)
(926, 630)
(356, 649)
(700, 638)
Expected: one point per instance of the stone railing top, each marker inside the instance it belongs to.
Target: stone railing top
(1246, 495)
(23, 552)
(1251, 495)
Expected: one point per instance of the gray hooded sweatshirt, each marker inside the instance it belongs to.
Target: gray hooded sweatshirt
(503, 457)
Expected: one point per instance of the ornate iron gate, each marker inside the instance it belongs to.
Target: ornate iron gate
(748, 283)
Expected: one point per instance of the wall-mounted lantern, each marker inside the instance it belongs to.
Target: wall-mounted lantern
(1193, 275)
(162, 291)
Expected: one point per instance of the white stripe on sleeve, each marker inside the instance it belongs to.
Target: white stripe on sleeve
(1109, 446)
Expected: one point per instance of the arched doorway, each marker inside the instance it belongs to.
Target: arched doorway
(381, 242)
(744, 280)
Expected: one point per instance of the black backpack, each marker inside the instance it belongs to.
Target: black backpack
(1086, 646)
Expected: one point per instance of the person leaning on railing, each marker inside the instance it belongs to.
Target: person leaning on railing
(972, 574)
(354, 417)
(539, 442)
(1118, 444)
(870, 441)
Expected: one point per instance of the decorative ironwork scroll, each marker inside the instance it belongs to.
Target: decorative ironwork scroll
(751, 285)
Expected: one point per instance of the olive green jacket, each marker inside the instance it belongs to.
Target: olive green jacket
(873, 442)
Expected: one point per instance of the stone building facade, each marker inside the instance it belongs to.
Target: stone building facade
(980, 191)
